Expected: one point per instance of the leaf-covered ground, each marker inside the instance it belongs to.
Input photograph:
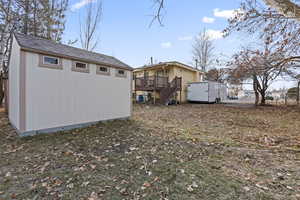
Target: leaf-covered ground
(180, 152)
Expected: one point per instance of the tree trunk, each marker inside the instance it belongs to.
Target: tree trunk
(263, 98)
(25, 30)
(298, 93)
(255, 91)
(1, 89)
(256, 97)
(35, 19)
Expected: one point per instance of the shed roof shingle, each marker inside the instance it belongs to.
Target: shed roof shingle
(47, 46)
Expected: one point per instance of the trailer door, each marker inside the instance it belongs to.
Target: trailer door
(198, 92)
(213, 92)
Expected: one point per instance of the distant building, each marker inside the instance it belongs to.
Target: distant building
(278, 94)
(235, 90)
(249, 93)
(165, 81)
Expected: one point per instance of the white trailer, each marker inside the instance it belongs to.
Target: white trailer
(208, 92)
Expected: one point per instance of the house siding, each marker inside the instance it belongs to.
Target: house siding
(186, 75)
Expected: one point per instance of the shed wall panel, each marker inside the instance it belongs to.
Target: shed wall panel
(64, 97)
(14, 85)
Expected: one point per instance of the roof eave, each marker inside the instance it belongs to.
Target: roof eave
(169, 64)
(150, 67)
(33, 50)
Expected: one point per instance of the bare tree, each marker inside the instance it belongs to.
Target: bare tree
(8, 23)
(288, 8)
(280, 35)
(263, 67)
(203, 50)
(284, 8)
(33, 17)
(261, 20)
(159, 6)
(218, 75)
(89, 34)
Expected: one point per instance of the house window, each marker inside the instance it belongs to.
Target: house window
(50, 62)
(163, 72)
(80, 67)
(103, 70)
(121, 73)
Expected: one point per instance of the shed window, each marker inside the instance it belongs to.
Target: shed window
(51, 60)
(121, 73)
(103, 70)
(80, 65)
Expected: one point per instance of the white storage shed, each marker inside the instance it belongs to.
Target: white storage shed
(54, 87)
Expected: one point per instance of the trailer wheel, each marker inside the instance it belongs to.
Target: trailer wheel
(218, 100)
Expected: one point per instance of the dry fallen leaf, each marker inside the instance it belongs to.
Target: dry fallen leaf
(13, 196)
(8, 174)
(190, 188)
(93, 166)
(123, 191)
(261, 187)
(85, 183)
(147, 184)
(44, 184)
(93, 196)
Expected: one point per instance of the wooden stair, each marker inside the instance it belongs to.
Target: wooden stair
(167, 93)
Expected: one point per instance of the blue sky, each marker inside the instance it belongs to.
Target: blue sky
(125, 33)
(124, 30)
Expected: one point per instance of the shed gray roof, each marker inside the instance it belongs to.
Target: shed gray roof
(41, 45)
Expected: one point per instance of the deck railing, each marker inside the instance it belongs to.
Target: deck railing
(161, 84)
(151, 83)
(173, 87)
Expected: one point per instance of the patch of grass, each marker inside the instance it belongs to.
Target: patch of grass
(178, 152)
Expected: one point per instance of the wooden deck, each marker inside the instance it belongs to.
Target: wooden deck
(153, 83)
(160, 84)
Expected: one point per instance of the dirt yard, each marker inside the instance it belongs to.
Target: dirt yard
(176, 152)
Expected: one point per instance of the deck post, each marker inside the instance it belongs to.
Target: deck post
(180, 97)
(180, 89)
